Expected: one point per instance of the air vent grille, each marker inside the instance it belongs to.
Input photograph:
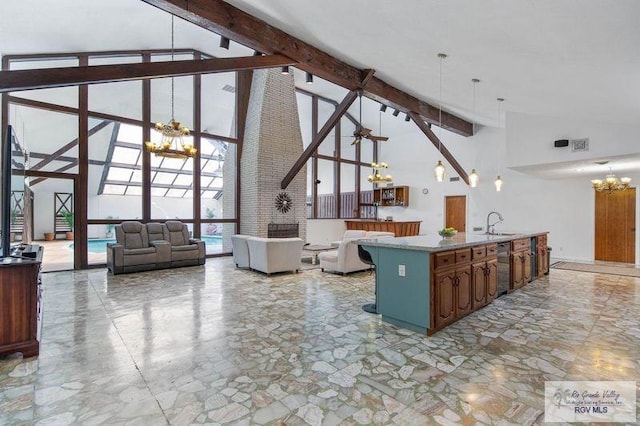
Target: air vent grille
(579, 145)
(228, 88)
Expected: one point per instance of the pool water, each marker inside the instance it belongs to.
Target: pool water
(99, 245)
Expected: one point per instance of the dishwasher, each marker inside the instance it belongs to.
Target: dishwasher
(504, 275)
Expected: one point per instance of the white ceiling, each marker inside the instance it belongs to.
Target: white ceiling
(577, 58)
(564, 58)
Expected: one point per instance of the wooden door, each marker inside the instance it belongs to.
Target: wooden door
(478, 284)
(492, 279)
(456, 212)
(615, 227)
(463, 287)
(445, 308)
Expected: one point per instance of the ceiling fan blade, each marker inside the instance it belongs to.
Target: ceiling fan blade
(377, 138)
(365, 132)
(356, 140)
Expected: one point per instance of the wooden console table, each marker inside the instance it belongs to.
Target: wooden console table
(20, 305)
(400, 229)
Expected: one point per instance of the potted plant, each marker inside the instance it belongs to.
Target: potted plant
(68, 216)
(211, 227)
(108, 228)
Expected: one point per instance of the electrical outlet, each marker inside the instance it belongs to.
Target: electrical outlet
(401, 270)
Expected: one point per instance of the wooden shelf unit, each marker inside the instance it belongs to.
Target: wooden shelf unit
(391, 196)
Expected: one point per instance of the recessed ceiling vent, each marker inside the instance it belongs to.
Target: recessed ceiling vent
(579, 145)
(229, 89)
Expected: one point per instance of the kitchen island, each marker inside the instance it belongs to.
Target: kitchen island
(400, 229)
(425, 282)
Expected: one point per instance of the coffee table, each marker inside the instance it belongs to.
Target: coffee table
(316, 249)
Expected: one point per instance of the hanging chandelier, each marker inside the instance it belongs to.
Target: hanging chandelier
(611, 183)
(439, 170)
(377, 177)
(498, 182)
(171, 143)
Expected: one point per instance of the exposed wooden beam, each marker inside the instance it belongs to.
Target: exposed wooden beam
(319, 137)
(367, 75)
(73, 76)
(438, 144)
(233, 23)
(56, 155)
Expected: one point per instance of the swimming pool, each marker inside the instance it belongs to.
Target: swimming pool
(99, 245)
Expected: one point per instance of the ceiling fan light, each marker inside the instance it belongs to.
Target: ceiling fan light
(439, 171)
(473, 178)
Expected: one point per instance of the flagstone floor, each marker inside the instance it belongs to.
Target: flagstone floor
(218, 345)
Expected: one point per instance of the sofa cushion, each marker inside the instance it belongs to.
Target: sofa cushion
(155, 231)
(132, 235)
(140, 259)
(176, 233)
(188, 247)
(133, 252)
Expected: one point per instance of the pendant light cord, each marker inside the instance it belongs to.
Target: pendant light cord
(440, 106)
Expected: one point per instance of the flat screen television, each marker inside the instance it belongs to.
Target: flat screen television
(12, 160)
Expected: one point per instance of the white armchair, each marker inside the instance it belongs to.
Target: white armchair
(346, 259)
(240, 250)
(271, 255)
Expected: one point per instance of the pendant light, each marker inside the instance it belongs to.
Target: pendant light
(439, 170)
(473, 176)
(498, 182)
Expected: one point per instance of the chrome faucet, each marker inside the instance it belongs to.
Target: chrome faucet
(490, 228)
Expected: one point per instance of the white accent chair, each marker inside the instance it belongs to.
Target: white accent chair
(271, 255)
(345, 259)
(240, 250)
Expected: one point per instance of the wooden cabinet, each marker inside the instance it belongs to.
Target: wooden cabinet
(542, 256)
(391, 196)
(452, 295)
(400, 229)
(19, 305)
(520, 263)
(484, 275)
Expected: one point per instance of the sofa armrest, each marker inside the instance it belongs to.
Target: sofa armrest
(115, 258)
(202, 250)
(163, 252)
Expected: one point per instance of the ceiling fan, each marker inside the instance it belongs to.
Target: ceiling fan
(363, 132)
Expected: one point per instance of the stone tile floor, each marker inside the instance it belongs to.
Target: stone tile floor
(219, 345)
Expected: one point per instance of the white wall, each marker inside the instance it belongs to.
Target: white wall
(531, 139)
(324, 231)
(563, 207)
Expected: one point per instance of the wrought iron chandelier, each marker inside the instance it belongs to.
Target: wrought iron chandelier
(611, 183)
(377, 177)
(171, 144)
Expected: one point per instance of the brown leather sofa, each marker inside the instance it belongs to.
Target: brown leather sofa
(141, 247)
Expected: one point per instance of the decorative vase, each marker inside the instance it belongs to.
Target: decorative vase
(69, 235)
(48, 236)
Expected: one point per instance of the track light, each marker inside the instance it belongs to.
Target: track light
(383, 108)
(224, 42)
(256, 53)
(309, 78)
(407, 118)
(396, 112)
(285, 70)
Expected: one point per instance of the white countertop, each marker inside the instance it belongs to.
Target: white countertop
(434, 242)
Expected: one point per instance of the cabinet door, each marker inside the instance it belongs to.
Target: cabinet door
(478, 285)
(492, 279)
(526, 257)
(445, 307)
(517, 270)
(463, 287)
